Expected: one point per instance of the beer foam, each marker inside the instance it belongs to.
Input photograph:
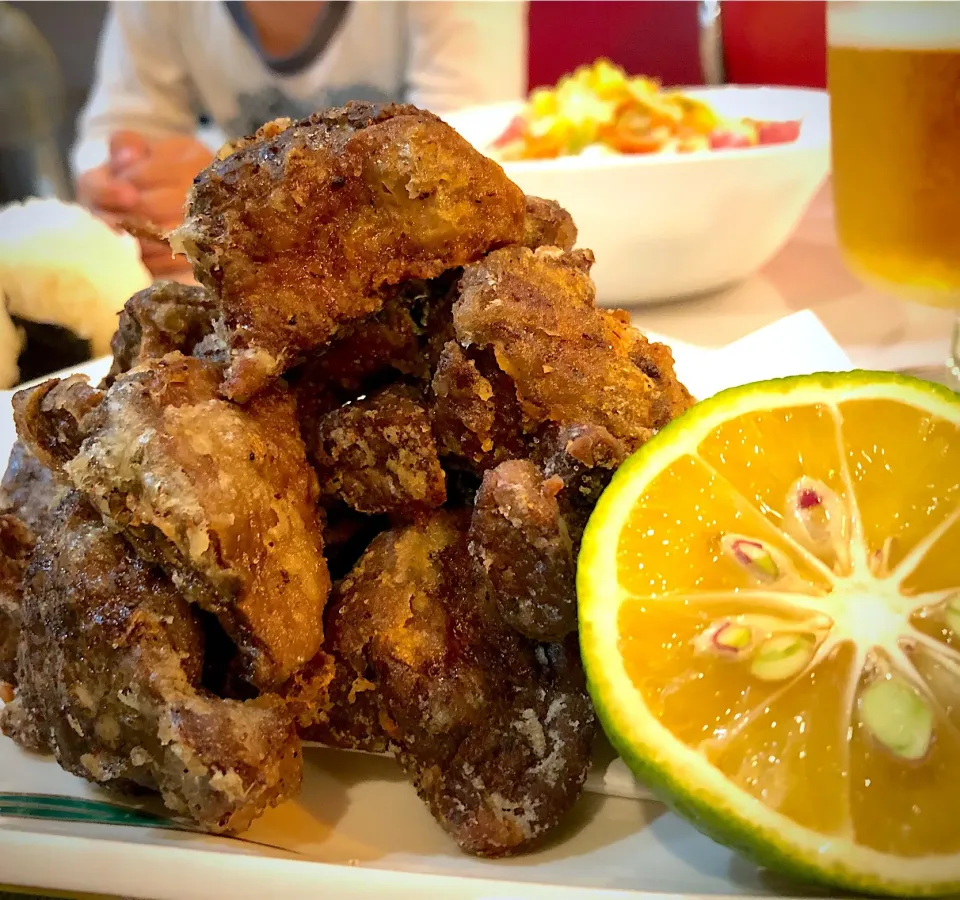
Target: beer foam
(894, 24)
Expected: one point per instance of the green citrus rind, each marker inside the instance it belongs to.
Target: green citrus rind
(684, 780)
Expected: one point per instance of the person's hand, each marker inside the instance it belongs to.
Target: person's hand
(147, 181)
(103, 190)
(162, 176)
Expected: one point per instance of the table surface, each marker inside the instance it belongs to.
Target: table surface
(877, 331)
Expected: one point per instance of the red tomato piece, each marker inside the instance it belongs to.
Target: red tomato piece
(513, 132)
(634, 133)
(723, 139)
(628, 143)
(778, 132)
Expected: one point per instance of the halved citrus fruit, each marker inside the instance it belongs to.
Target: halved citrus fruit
(769, 601)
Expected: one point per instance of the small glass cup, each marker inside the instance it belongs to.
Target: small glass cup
(894, 81)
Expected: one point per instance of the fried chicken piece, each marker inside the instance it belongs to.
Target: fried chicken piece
(529, 520)
(403, 339)
(378, 455)
(494, 730)
(365, 352)
(307, 225)
(570, 362)
(30, 490)
(567, 371)
(349, 715)
(513, 779)
(16, 547)
(476, 416)
(518, 535)
(548, 224)
(110, 659)
(584, 458)
(50, 418)
(161, 319)
(472, 421)
(29, 496)
(221, 496)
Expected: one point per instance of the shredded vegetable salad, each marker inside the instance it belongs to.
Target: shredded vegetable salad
(601, 109)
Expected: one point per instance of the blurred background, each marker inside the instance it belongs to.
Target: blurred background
(678, 41)
(118, 106)
(42, 96)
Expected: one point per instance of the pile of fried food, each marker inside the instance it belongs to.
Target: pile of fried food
(334, 493)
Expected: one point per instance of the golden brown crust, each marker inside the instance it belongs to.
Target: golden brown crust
(304, 226)
(378, 455)
(494, 730)
(110, 659)
(16, 548)
(163, 318)
(220, 495)
(477, 419)
(548, 224)
(518, 535)
(570, 362)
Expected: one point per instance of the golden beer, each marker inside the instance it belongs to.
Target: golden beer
(894, 79)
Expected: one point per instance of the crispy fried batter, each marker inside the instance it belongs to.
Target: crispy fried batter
(161, 319)
(568, 386)
(349, 716)
(109, 680)
(548, 224)
(477, 419)
(403, 339)
(16, 547)
(30, 490)
(570, 362)
(440, 346)
(219, 495)
(378, 455)
(303, 226)
(495, 730)
(365, 353)
(51, 418)
(520, 538)
(529, 520)
(514, 779)
(584, 458)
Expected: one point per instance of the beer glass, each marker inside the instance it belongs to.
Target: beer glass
(894, 81)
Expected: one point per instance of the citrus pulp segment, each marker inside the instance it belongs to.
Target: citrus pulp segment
(769, 601)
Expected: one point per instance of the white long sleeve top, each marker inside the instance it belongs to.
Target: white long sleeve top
(162, 65)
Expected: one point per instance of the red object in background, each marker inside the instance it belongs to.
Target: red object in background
(658, 38)
(775, 42)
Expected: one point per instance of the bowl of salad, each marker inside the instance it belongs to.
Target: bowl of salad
(678, 192)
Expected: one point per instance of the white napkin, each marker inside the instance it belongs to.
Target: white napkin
(797, 345)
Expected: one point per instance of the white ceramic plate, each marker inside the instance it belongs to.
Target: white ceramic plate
(357, 830)
(665, 226)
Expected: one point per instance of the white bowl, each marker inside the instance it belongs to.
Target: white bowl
(666, 226)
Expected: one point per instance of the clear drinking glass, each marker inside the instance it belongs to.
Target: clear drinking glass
(894, 81)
